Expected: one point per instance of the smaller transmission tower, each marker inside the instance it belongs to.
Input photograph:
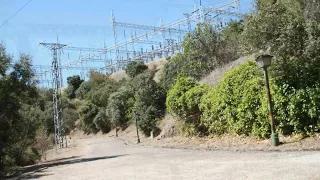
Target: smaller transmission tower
(59, 132)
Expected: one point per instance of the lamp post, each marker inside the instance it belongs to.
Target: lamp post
(264, 61)
(134, 114)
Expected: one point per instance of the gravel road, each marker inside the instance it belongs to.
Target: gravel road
(109, 158)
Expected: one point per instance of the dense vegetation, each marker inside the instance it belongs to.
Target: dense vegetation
(24, 112)
(290, 31)
(287, 29)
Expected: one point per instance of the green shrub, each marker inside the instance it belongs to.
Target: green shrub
(238, 104)
(176, 96)
(149, 103)
(69, 116)
(74, 83)
(102, 121)
(183, 100)
(87, 113)
(135, 68)
(119, 103)
(84, 89)
(99, 96)
(297, 111)
(204, 50)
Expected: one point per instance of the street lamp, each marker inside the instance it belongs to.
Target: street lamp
(264, 61)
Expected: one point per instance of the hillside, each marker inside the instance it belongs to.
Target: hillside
(157, 64)
(215, 76)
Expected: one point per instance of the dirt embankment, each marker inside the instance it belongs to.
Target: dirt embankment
(169, 138)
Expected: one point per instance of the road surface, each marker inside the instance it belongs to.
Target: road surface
(109, 158)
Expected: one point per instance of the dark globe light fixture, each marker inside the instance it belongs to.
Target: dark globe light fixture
(264, 61)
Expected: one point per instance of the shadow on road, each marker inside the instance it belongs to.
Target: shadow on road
(37, 171)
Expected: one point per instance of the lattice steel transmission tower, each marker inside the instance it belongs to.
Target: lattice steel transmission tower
(59, 131)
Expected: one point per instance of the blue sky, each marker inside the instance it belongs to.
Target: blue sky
(82, 23)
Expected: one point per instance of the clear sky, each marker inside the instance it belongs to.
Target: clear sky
(82, 23)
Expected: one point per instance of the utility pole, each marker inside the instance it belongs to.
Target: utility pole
(59, 132)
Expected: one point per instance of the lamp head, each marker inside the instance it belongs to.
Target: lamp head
(264, 61)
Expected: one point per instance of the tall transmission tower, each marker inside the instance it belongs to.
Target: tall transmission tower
(59, 131)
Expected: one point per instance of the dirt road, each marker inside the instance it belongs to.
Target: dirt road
(109, 158)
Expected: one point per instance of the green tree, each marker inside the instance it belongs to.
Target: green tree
(74, 83)
(87, 112)
(84, 89)
(204, 50)
(119, 104)
(99, 96)
(17, 87)
(135, 67)
(102, 121)
(149, 103)
(70, 116)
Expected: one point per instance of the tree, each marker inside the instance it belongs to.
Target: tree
(102, 121)
(97, 78)
(84, 89)
(74, 83)
(17, 87)
(135, 68)
(87, 112)
(119, 105)
(99, 96)
(204, 50)
(70, 116)
(149, 102)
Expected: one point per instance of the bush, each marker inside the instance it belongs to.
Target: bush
(203, 52)
(135, 68)
(149, 102)
(69, 116)
(183, 100)
(74, 83)
(102, 121)
(171, 70)
(118, 105)
(176, 102)
(87, 112)
(238, 104)
(297, 111)
(84, 89)
(99, 96)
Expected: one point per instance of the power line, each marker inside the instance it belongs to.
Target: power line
(15, 13)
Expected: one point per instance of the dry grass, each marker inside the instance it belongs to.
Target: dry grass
(157, 65)
(119, 75)
(168, 126)
(215, 76)
(237, 143)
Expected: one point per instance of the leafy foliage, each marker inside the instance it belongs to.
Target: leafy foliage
(297, 110)
(87, 112)
(84, 89)
(238, 104)
(135, 68)
(183, 100)
(293, 40)
(70, 116)
(149, 102)
(118, 105)
(17, 90)
(99, 95)
(74, 83)
(204, 50)
(102, 121)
